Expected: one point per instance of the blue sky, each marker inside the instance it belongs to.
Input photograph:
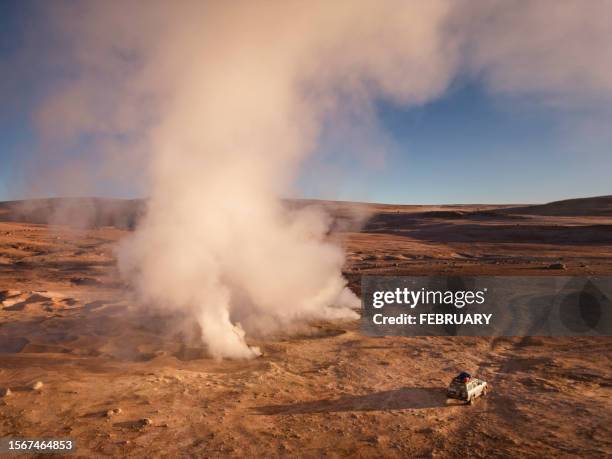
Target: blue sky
(468, 146)
(471, 146)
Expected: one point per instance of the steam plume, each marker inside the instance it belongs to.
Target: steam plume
(221, 101)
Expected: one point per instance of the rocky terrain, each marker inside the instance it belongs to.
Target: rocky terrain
(80, 359)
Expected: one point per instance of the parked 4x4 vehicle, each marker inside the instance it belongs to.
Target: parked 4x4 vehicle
(465, 387)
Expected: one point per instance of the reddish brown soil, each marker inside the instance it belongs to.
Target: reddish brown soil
(67, 320)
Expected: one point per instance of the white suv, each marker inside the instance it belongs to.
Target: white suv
(466, 388)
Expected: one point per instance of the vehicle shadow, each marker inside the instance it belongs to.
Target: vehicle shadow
(398, 399)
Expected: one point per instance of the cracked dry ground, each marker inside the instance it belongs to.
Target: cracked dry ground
(67, 321)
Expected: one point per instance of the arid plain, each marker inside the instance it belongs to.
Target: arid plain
(121, 379)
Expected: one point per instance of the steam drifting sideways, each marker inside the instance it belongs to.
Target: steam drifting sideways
(222, 101)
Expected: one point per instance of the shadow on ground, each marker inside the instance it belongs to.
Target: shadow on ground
(398, 399)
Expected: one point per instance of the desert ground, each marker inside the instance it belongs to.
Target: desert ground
(123, 382)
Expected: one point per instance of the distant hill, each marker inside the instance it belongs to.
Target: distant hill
(125, 213)
(600, 206)
(78, 212)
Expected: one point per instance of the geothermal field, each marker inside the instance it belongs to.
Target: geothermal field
(217, 314)
(83, 357)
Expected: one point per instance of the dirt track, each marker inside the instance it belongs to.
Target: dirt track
(66, 320)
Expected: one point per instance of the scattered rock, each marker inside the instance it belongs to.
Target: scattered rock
(113, 412)
(5, 392)
(145, 422)
(38, 385)
(556, 266)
